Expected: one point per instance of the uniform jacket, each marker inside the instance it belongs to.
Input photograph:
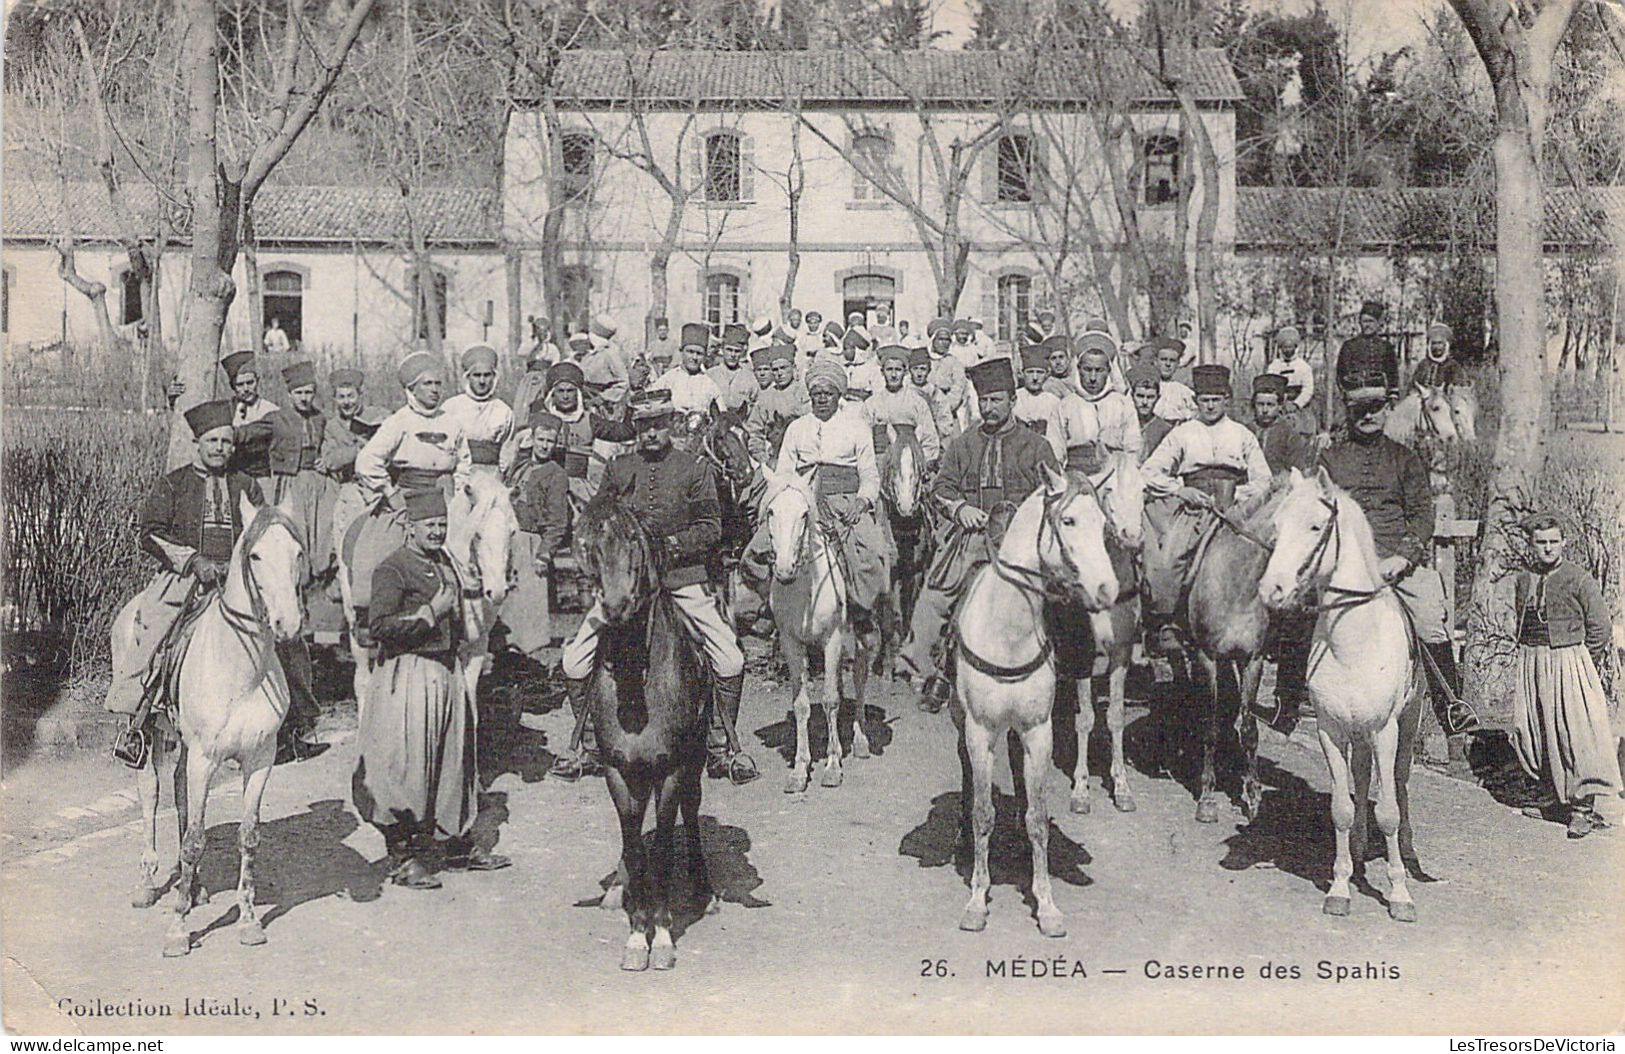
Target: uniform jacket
(1176, 402)
(1436, 374)
(1298, 373)
(769, 418)
(254, 428)
(296, 440)
(1042, 413)
(1363, 358)
(605, 373)
(1191, 446)
(411, 438)
(1284, 447)
(542, 503)
(345, 438)
(172, 525)
(906, 406)
(1152, 432)
(985, 469)
(674, 496)
(845, 440)
(1575, 611)
(689, 391)
(1117, 422)
(736, 388)
(1391, 485)
(403, 583)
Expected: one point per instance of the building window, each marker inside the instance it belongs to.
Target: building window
(576, 159)
(1015, 297)
(872, 151)
(1161, 170)
(1018, 168)
(865, 292)
(282, 301)
(575, 296)
(423, 309)
(129, 286)
(721, 301)
(723, 167)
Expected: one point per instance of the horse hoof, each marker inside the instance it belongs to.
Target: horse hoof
(1080, 806)
(662, 957)
(200, 897)
(612, 899)
(251, 934)
(973, 921)
(635, 960)
(175, 947)
(713, 905)
(1402, 910)
(831, 776)
(860, 748)
(1336, 906)
(1207, 811)
(796, 782)
(1124, 802)
(1052, 925)
(144, 896)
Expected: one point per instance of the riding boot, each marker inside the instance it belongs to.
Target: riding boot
(721, 762)
(579, 759)
(1455, 716)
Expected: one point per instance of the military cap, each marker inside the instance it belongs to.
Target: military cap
(1270, 384)
(299, 375)
(206, 417)
(603, 327)
(1211, 379)
(652, 404)
(427, 504)
(992, 376)
(694, 335)
(734, 334)
(964, 325)
(1143, 375)
(918, 357)
(894, 352)
(565, 373)
(1034, 357)
(1372, 309)
(237, 362)
(346, 378)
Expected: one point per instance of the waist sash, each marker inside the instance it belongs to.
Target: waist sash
(835, 479)
(1215, 474)
(484, 451)
(408, 477)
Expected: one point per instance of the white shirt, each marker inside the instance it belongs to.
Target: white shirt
(258, 411)
(489, 420)
(1043, 413)
(1297, 372)
(1193, 445)
(844, 439)
(1117, 423)
(1175, 402)
(689, 391)
(399, 441)
(906, 406)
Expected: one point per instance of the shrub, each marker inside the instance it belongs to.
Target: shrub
(73, 485)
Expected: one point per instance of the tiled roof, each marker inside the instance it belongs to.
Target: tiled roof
(1357, 217)
(591, 77)
(282, 213)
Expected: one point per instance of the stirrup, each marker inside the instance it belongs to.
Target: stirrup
(133, 746)
(1460, 718)
(741, 769)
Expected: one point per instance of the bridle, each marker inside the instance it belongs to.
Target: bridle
(1038, 582)
(1331, 539)
(255, 624)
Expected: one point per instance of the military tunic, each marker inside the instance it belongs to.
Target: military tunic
(770, 416)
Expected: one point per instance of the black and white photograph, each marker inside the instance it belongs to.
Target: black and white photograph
(611, 518)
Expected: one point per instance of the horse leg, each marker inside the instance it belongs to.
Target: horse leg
(1036, 744)
(363, 673)
(698, 873)
(630, 804)
(979, 752)
(1117, 680)
(833, 650)
(1400, 906)
(147, 886)
(199, 770)
(662, 953)
(178, 781)
(1086, 727)
(863, 645)
(1207, 805)
(1252, 790)
(796, 658)
(255, 775)
(1360, 779)
(1334, 743)
(1410, 721)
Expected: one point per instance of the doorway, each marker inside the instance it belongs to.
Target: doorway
(865, 292)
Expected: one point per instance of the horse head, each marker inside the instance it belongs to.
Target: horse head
(1464, 411)
(788, 507)
(615, 550)
(722, 445)
(1072, 541)
(267, 568)
(1306, 530)
(1423, 409)
(902, 473)
(480, 530)
(1121, 487)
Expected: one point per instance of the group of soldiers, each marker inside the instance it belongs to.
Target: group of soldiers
(595, 424)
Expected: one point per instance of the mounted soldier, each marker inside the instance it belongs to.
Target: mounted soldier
(585, 438)
(1283, 445)
(732, 378)
(486, 421)
(983, 475)
(693, 388)
(919, 377)
(776, 406)
(674, 495)
(1300, 381)
(897, 406)
(1146, 386)
(1115, 425)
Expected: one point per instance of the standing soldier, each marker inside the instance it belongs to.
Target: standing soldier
(898, 406)
(674, 495)
(542, 506)
(919, 376)
(1035, 407)
(661, 350)
(1146, 387)
(252, 455)
(1284, 447)
(1114, 367)
(1175, 401)
(983, 475)
(299, 480)
(776, 406)
(1368, 355)
(734, 382)
(1300, 381)
(348, 430)
(415, 777)
(947, 373)
(692, 388)
(857, 359)
(1063, 374)
(532, 386)
(485, 421)
(1116, 422)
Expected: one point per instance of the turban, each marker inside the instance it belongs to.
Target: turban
(580, 336)
(345, 378)
(1211, 380)
(992, 376)
(1095, 340)
(1288, 333)
(833, 332)
(237, 362)
(479, 356)
(1096, 325)
(1440, 331)
(565, 373)
(1045, 312)
(938, 325)
(963, 325)
(417, 366)
(425, 505)
(206, 417)
(603, 327)
(827, 373)
(894, 352)
(762, 326)
(299, 375)
(1270, 384)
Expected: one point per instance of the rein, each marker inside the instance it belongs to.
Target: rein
(1347, 598)
(255, 623)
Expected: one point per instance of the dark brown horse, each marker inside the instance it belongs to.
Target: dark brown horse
(650, 704)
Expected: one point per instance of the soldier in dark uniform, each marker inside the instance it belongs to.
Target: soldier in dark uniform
(1439, 369)
(775, 406)
(541, 504)
(674, 495)
(1284, 446)
(1145, 385)
(983, 475)
(1368, 355)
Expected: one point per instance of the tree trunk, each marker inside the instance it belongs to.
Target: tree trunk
(1207, 223)
(67, 268)
(795, 182)
(251, 279)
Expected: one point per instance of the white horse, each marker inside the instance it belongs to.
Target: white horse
(808, 598)
(1361, 670)
(1004, 666)
(232, 698)
(902, 471)
(1448, 415)
(480, 529)
(1121, 487)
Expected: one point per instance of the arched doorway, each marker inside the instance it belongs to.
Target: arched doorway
(865, 292)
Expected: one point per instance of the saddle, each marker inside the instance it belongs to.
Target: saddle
(369, 538)
(160, 693)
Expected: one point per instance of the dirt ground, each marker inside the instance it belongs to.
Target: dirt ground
(840, 905)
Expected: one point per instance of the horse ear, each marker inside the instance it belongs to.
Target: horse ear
(1054, 479)
(1324, 478)
(1294, 477)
